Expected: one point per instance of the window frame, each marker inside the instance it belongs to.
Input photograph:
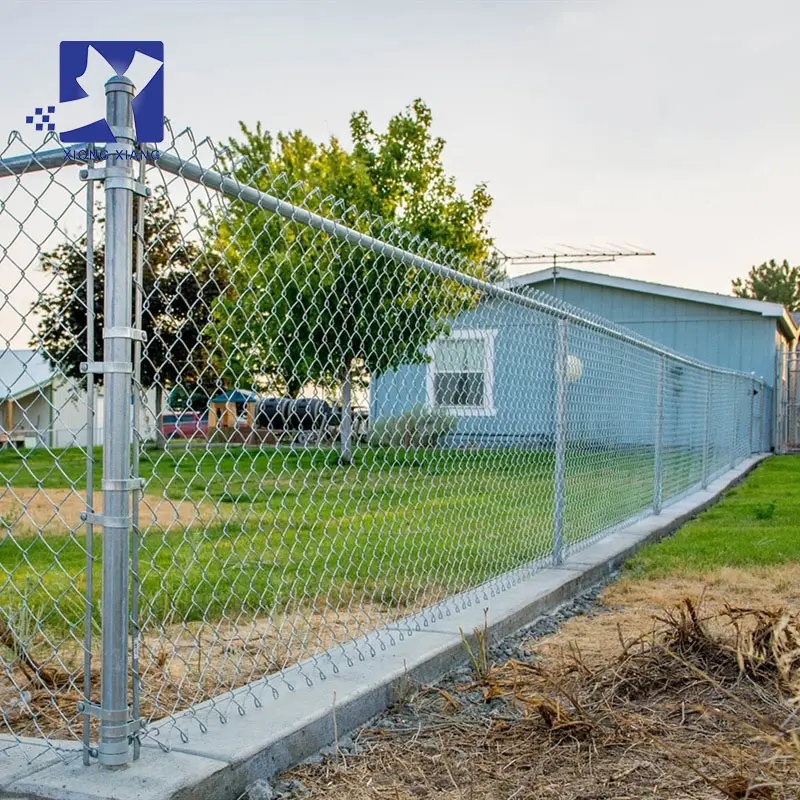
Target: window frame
(484, 335)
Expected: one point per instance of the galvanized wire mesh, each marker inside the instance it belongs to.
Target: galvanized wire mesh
(47, 431)
(789, 428)
(343, 430)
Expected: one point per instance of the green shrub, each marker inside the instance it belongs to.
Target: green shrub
(419, 427)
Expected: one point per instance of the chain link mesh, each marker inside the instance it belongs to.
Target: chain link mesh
(47, 431)
(344, 432)
(789, 432)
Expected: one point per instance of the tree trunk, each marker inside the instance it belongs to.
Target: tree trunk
(346, 422)
(160, 440)
(293, 386)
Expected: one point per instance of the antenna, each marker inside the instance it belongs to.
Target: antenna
(572, 255)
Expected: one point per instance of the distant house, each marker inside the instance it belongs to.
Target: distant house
(730, 332)
(495, 371)
(42, 407)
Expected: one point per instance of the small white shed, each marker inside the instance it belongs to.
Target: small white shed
(42, 407)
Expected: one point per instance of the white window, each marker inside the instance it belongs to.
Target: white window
(461, 373)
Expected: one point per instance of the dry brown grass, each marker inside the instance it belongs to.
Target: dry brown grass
(180, 666)
(29, 512)
(693, 698)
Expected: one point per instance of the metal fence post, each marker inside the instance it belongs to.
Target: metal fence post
(136, 434)
(560, 440)
(766, 419)
(753, 394)
(707, 430)
(659, 439)
(780, 423)
(735, 427)
(119, 185)
(91, 422)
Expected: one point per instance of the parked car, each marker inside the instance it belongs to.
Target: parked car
(288, 414)
(183, 425)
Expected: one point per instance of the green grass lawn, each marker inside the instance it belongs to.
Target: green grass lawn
(398, 527)
(756, 524)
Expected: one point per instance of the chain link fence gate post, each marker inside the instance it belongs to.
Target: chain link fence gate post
(559, 499)
(116, 367)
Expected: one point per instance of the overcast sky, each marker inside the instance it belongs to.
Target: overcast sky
(673, 125)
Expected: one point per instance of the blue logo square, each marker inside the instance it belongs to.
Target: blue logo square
(84, 69)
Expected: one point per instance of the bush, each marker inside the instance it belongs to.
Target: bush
(419, 427)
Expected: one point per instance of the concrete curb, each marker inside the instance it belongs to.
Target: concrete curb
(232, 754)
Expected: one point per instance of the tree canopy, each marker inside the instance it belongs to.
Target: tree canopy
(180, 285)
(264, 302)
(777, 283)
(301, 305)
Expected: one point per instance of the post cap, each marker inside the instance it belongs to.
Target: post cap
(119, 83)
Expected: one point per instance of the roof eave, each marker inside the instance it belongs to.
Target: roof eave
(28, 390)
(766, 309)
(791, 330)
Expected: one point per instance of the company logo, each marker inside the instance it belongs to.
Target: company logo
(84, 68)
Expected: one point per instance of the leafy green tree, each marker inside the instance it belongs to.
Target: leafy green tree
(303, 306)
(180, 285)
(777, 283)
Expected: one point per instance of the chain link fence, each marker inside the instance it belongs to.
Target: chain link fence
(313, 434)
(787, 432)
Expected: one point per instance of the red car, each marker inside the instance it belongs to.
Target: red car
(183, 425)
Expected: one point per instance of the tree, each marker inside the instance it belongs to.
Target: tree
(303, 306)
(180, 285)
(777, 283)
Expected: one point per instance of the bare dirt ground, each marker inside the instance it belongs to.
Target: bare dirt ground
(26, 511)
(676, 688)
(179, 664)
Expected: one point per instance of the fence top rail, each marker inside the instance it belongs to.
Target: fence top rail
(39, 160)
(171, 163)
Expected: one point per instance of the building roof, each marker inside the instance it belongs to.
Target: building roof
(765, 309)
(235, 396)
(23, 371)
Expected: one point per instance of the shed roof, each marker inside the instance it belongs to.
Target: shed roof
(23, 371)
(765, 309)
(235, 396)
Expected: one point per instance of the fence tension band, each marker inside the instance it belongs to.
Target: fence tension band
(125, 333)
(101, 367)
(124, 484)
(121, 723)
(92, 518)
(115, 180)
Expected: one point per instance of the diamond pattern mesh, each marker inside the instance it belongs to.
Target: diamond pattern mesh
(344, 432)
